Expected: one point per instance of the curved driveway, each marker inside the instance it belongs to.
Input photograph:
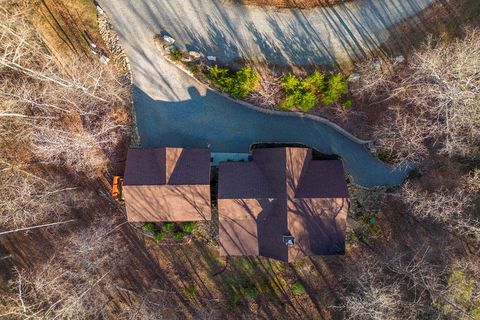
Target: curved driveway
(174, 110)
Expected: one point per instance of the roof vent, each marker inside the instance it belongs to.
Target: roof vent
(288, 240)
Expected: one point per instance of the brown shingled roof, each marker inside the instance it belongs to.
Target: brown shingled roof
(282, 191)
(167, 184)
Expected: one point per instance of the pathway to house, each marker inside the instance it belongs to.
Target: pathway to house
(174, 110)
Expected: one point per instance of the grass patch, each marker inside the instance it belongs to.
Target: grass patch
(368, 231)
(461, 288)
(234, 297)
(249, 292)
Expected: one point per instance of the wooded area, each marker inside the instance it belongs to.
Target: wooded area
(65, 124)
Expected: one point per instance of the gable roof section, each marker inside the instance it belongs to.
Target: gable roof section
(243, 180)
(145, 167)
(323, 179)
(289, 194)
(167, 184)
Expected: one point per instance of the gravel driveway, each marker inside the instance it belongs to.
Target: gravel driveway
(173, 109)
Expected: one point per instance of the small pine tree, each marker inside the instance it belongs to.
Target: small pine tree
(148, 227)
(290, 83)
(337, 85)
(315, 82)
(188, 227)
(238, 85)
(301, 94)
(158, 236)
(178, 236)
(168, 227)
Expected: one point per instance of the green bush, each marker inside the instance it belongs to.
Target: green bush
(178, 235)
(298, 289)
(220, 76)
(337, 85)
(191, 290)
(234, 298)
(290, 83)
(315, 81)
(249, 292)
(188, 227)
(158, 236)
(176, 54)
(148, 227)
(194, 69)
(168, 227)
(299, 94)
(347, 104)
(239, 84)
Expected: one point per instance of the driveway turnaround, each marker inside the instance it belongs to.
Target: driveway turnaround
(173, 109)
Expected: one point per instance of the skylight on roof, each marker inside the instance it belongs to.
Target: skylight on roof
(288, 240)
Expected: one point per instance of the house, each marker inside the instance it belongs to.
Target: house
(283, 205)
(167, 184)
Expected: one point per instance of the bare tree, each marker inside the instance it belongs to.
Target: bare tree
(376, 80)
(374, 293)
(74, 283)
(27, 198)
(438, 89)
(410, 285)
(72, 112)
(440, 282)
(269, 91)
(451, 208)
(443, 79)
(402, 137)
(149, 306)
